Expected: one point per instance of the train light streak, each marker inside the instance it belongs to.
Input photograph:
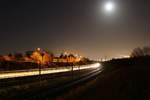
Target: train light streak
(24, 73)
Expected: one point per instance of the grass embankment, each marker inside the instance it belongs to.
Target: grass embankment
(122, 79)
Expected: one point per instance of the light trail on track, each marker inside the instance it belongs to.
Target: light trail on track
(34, 72)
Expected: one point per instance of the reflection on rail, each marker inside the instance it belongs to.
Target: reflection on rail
(23, 73)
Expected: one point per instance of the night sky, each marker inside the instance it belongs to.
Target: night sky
(80, 26)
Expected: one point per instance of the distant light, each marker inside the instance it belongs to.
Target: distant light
(109, 6)
(39, 49)
(122, 56)
(125, 56)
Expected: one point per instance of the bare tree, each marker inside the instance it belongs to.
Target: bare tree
(146, 51)
(138, 52)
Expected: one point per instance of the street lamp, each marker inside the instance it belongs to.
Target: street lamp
(40, 66)
(72, 69)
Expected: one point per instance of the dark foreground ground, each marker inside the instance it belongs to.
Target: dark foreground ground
(124, 79)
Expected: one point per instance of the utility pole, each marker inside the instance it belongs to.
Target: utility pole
(40, 67)
(72, 70)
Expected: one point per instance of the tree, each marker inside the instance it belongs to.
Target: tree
(28, 53)
(42, 56)
(61, 55)
(138, 52)
(10, 55)
(50, 54)
(146, 51)
(18, 56)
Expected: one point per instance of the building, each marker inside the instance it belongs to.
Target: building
(66, 58)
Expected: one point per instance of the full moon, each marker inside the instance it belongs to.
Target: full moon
(109, 6)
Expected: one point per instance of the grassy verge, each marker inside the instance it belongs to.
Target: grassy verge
(122, 79)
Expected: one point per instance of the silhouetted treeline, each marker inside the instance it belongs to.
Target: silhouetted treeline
(140, 62)
(140, 52)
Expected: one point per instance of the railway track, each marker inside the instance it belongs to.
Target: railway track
(52, 92)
